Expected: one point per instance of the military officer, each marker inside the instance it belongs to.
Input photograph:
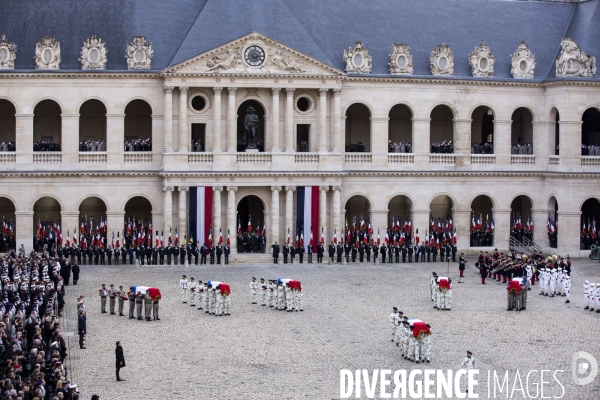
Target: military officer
(183, 283)
(182, 255)
(442, 252)
(203, 250)
(131, 297)
(347, 252)
(404, 251)
(361, 252)
(292, 253)
(161, 255)
(112, 294)
(212, 254)
(368, 252)
(300, 252)
(226, 252)
(103, 292)
(117, 254)
(169, 252)
(310, 253)
(219, 251)
(320, 251)
(331, 250)
(275, 248)
(263, 292)
(147, 306)
(339, 251)
(121, 296)
(253, 288)
(139, 300)
(192, 291)
(196, 252)
(286, 251)
(124, 256)
(375, 253)
(109, 254)
(189, 251)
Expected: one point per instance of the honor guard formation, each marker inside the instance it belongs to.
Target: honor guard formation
(32, 293)
(138, 296)
(412, 335)
(440, 288)
(281, 294)
(213, 297)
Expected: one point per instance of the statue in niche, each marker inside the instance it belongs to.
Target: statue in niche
(251, 126)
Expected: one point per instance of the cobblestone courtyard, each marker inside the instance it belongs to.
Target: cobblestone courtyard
(260, 353)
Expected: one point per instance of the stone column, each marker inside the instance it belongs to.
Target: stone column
(115, 129)
(322, 120)
(289, 120)
(421, 140)
(502, 227)
(216, 145)
(336, 133)
(24, 229)
(289, 209)
(168, 118)
(337, 209)
(24, 141)
(231, 121)
(231, 214)
(379, 136)
(183, 215)
(168, 212)
(462, 141)
(502, 138)
(569, 229)
(461, 219)
(274, 214)
(69, 142)
(540, 226)
(323, 212)
(570, 146)
(275, 121)
(183, 124)
(217, 213)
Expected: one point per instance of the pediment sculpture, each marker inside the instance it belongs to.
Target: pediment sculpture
(139, 53)
(401, 62)
(572, 61)
(358, 59)
(93, 53)
(47, 54)
(522, 63)
(8, 53)
(482, 61)
(441, 60)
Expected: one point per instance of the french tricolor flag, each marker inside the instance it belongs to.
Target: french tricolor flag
(201, 200)
(308, 210)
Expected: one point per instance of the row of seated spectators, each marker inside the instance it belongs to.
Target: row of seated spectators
(92, 145)
(46, 145)
(399, 147)
(7, 146)
(521, 148)
(442, 147)
(591, 150)
(138, 145)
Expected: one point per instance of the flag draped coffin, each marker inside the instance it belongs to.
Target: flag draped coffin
(201, 200)
(308, 211)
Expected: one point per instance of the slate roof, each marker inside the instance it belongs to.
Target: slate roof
(322, 29)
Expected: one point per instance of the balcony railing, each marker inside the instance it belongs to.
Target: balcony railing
(554, 160)
(401, 158)
(358, 158)
(47, 157)
(253, 158)
(92, 157)
(137, 157)
(590, 161)
(6, 158)
(483, 159)
(200, 158)
(448, 159)
(522, 159)
(306, 158)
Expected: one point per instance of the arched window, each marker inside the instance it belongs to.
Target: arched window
(138, 126)
(251, 126)
(92, 126)
(482, 131)
(521, 132)
(590, 133)
(47, 126)
(358, 129)
(400, 129)
(441, 130)
(482, 222)
(7, 126)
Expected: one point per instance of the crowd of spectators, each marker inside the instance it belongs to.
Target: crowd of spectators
(92, 145)
(46, 145)
(521, 148)
(442, 147)
(138, 145)
(355, 148)
(7, 146)
(482, 148)
(197, 146)
(32, 345)
(399, 147)
(591, 150)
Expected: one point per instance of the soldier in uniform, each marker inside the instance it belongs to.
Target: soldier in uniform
(347, 252)
(112, 294)
(454, 250)
(434, 252)
(130, 252)
(131, 297)
(410, 252)
(310, 253)
(219, 252)
(203, 254)
(196, 252)
(109, 254)
(339, 251)
(226, 252)
(123, 256)
(155, 309)
(147, 306)
(154, 255)
(189, 250)
(320, 251)
(121, 296)
(253, 288)
(175, 255)
(103, 293)
(183, 283)
(442, 252)
(300, 252)
(354, 253)
(331, 250)
(139, 299)
(169, 251)
(368, 252)
(397, 253)
(286, 251)
(193, 292)
(182, 255)
(161, 255)
(361, 252)
(275, 248)
(263, 292)
(375, 253)
(383, 251)
(117, 255)
(212, 254)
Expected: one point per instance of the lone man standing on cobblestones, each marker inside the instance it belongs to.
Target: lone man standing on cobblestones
(120, 359)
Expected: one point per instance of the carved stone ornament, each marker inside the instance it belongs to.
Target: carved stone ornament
(572, 61)
(401, 62)
(358, 60)
(522, 63)
(8, 53)
(93, 53)
(47, 54)
(441, 60)
(482, 61)
(139, 53)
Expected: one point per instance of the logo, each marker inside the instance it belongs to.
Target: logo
(582, 364)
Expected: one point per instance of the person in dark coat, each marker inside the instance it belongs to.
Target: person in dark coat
(81, 328)
(120, 359)
(65, 272)
(484, 272)
(75, 271)
(275, 252)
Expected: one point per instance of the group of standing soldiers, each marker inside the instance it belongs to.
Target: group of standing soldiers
(412, 335)
(137, 300)
(281, 294)
(211, 296)
(251, 243)
(390, 253)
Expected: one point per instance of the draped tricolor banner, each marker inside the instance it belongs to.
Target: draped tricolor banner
(308, 214)
(200, 213)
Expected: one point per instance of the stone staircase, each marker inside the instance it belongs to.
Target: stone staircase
(252, 258)
(525, 246)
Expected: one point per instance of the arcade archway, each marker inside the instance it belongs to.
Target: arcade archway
(138, 220)
(358, 129)
(92, 216)
(555, 118)
(258, 117)
(440, 220)
(138, 126)
(358, 208)
(92, 126)
(590, 133)
(521, 132)
(47, 126)
(441, 130)
(482, 131)
(46, 213)
(590, 218)
(8, 233)
(482, 222)
(552, 225)
(400, 129)
(251, 221)
(400, 217)
(8, 130)
(521, 221)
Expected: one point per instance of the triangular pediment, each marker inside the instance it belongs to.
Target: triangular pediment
(253, 54)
